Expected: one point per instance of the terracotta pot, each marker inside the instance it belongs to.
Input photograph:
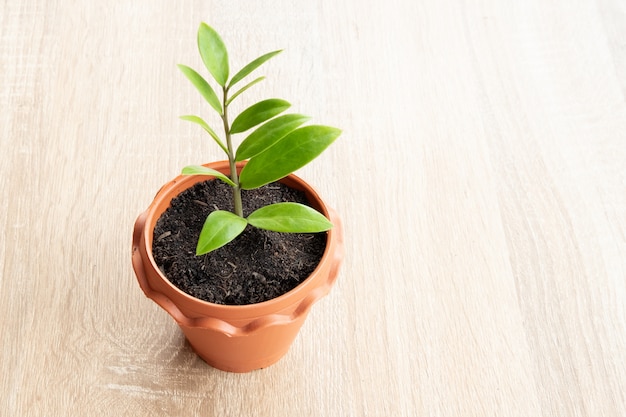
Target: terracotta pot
(235, 338)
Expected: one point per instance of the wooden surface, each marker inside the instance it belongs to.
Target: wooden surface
(481, 177)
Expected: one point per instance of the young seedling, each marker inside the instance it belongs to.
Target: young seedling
(274, 150)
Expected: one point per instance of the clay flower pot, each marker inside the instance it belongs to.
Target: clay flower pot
(235, 338)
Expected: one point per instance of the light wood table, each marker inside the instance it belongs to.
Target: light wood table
(481, 177)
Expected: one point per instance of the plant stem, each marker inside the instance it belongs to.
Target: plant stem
(231, 159)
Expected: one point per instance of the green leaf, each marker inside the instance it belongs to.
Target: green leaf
(289, 154)
(258, 113)
(213, 52)
(203, 87)
(289, 218)
(269, 134)
(244, 88)
(220, 227)
(251, 67)
(205, 126)
(202, 170)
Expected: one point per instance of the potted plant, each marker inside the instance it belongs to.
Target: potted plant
(239, 216)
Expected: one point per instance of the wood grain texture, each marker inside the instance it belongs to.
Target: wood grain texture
(481, 177)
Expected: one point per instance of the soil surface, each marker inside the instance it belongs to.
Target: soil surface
(257, 266)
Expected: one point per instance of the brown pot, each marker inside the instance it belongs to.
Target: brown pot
(235, 338)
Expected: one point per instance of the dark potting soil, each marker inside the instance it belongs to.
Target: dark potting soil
(257, 266)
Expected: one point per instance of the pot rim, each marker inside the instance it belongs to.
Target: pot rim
(298, 294)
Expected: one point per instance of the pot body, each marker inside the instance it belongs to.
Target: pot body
(235, 338)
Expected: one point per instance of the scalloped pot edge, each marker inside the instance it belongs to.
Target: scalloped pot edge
(235, 338)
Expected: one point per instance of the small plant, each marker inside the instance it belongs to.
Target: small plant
(274, 150)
